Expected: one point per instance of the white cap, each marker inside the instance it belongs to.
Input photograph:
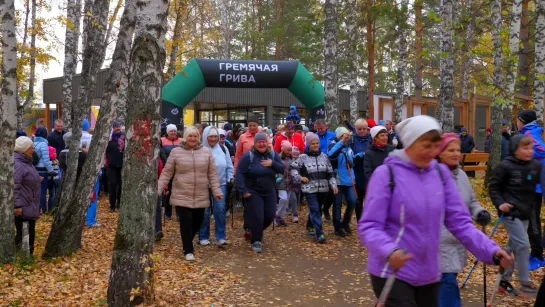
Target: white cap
(339, 132)
(375, 131)
(22, 143)
(171, 127)
(413, 128)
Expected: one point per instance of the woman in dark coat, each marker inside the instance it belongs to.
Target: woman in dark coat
(377, 152)
(26, 191)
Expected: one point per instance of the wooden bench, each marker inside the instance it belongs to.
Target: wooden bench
(480, 158)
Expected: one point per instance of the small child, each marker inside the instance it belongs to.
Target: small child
(512, 190)
(284, 186)
(293, 116)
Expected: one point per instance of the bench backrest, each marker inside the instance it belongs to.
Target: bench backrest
(475, 158)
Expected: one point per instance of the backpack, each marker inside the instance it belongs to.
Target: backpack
(35, 158)
(392, 182)
(225, 151)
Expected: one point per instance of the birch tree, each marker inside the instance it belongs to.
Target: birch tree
(65, 235)
(73, 17)
(352, 29)
(446, 91)
(21, 107)
(496, 110)
(332, 106)
(179, 6)
(512, 61)
(131, 280)
(402, 64)
(467, 50)
(525, 79)
(8, 112)
(539, 80)
(419, 66)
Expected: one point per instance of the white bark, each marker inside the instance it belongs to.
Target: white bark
(539, 83)
(446, 94)
(332, 106)
(512, 60)
(8, 112)
(21, 108)
(467, 62)
(352, 29)
(73, 17)
(402, 64)
(180, 7)
(132, 267)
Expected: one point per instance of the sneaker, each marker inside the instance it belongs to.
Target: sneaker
(228, 213)
(340, 233)
(311, 231)
(327, 216)
(222, 243)
(535, 264)
(507, 288)
(95, 225)
(158, 236)
(347, 230)
(280, 222)
(322, 239)
(295, 219)
(247, 234)
(204, 242)
(528, 290)
(256, 246)
(190, 257)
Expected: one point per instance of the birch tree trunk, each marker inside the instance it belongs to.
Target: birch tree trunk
(467, 50)
(370, 59)
(512, 61)
(419, 66)
(176, 36)
(524, 55)
(496, 110)
(446, 93)
(73, 17)
(132, 267)
(332, 107)
(352, 29)
(8, 111)
(111, 24)
(21, 108)
(65, 235)
(539, 81)
(402, 64)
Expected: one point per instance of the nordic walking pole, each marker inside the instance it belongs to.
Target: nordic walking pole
(477, 261)
(498, 281)
(387, 289)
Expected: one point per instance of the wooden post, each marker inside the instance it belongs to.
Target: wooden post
(47, 118)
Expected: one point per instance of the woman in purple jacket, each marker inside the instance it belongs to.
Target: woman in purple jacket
(26, 191)
(412, 196)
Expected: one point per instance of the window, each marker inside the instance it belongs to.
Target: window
(432, 111)
(457, 116)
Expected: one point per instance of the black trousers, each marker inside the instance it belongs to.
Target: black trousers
(359, 203)
(104, 185)
(19, 234)
(540, 300)
(260, 213)
(190, 224)
(534, 229)
(168, 207)
(406, 295)
(114, 180)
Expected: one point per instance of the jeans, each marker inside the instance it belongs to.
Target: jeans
(44, 185)
(315, 201)
(534, 229)
(19, 234)
(449, 294)
(114, 179)
(406, 295)
(190, 223)
(519, 244)
(91, 217)
(350, 195)
(220, 219)
(288, 199)
(359, 204)
(260, 212)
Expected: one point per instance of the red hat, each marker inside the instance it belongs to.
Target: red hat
(371, 123)
(489, 130)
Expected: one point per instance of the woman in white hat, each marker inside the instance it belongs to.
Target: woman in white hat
(377, 152)
(168, 143)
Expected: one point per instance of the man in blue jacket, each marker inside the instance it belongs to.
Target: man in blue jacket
(527, 125)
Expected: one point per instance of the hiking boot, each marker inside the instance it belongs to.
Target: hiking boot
(327, 216)
(94, 225)
(247, 234)
(158, 236)
(204, 242)
(190, 257)
(295, 219)
(222, 243)
(535, 264)
(340, 233)
(528, 290)
(322, 239)
(256, 246)
(347, 230)
(280, 222)
(507, 288)
(311, 231)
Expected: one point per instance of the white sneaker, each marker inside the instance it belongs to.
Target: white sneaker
(228, 213)
(190, 257)
(222, 243)
(204, 242)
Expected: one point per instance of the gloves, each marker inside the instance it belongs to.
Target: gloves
(483, 218)
(395, 142)
(278, 180)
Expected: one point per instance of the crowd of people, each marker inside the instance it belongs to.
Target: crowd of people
(413, 203)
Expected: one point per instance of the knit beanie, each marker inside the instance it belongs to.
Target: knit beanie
(376, 130)
(227, 126)
(311, 136)
(339, 132)
(222, 132)
(41, 132)
(22, 143)
(285, 145)
(260, 136)
(527, 116)
(116, 124)
(382, 122)
(86, 125)
(371, 123)
(413, 128)
(305, 128)
(20, 133)
(171, 127)
(448, 138)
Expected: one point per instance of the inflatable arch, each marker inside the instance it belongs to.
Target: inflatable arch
(201, 73)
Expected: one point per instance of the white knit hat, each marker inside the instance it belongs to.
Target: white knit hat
(22, 143)
(222, 132)
(375, 131)
(413, 128)
(171, 127)
(339, 132)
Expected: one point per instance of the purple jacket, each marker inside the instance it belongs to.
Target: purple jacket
(26, 190)
(411, 218)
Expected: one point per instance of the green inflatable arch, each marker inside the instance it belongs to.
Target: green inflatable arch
(201, 73)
